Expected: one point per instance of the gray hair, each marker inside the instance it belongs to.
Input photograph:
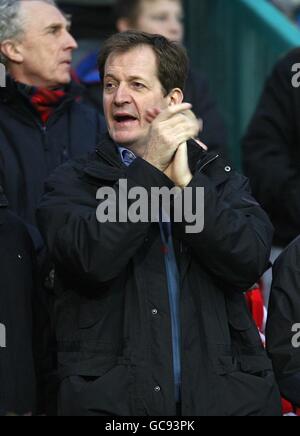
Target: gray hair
(11, 22)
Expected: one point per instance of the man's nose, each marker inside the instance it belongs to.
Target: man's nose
(122, 95)
(70, 42)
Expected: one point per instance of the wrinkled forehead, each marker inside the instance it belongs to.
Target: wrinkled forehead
(38, 15)
(140, 62)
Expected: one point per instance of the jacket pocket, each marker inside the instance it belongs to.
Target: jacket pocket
(249, 395)
(245, 337)
(246, 385)
(108, 395)
(258, 365)
(238, 314)
(247, 352)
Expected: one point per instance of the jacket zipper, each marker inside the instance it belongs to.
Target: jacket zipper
(209, 162)
(43, 130)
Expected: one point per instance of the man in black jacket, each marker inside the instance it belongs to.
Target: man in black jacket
(42, 121)
(17, 372)
(150, 313)
(272, 149)
(283, 328)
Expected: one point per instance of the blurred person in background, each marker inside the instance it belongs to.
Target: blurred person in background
(271, 159)
(166, 18)
(283, 328)
(17, 284)
(271, 153)
(271, 149)
(43, 123)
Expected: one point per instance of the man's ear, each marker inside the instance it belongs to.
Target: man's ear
(123, 25)
(10, 49)
(175, 97)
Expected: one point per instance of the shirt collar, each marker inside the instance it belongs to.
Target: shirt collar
(127, 156)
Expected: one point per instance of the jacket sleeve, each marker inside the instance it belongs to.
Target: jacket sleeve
(268, 147)
(283, 326)
(235, 243)
(77, 241)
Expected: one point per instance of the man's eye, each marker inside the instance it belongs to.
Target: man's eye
(109, 86)
(54, 30)
(138, 85)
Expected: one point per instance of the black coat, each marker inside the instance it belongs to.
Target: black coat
(271, 151)
(17, 373)
(29, 153)
(284, 315)
(112, 313)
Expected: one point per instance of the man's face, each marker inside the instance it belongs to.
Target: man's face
(162, 17)
(46, 46)
(131, 87)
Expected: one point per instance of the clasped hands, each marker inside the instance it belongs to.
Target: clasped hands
(167, 141)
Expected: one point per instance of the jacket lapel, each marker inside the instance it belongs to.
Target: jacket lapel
(106, 165)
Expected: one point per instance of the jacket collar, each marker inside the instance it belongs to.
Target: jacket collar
(198, 157)
(109, 166)
(108, 150)
(106, 163)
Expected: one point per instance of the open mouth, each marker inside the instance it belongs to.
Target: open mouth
(125, 119)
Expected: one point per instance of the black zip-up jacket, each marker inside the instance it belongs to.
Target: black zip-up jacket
(112, 312)
(271, 150)
(283, 328)
(17, 284)
(29, 152)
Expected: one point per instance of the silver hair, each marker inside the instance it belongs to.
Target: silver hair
(11, 21)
